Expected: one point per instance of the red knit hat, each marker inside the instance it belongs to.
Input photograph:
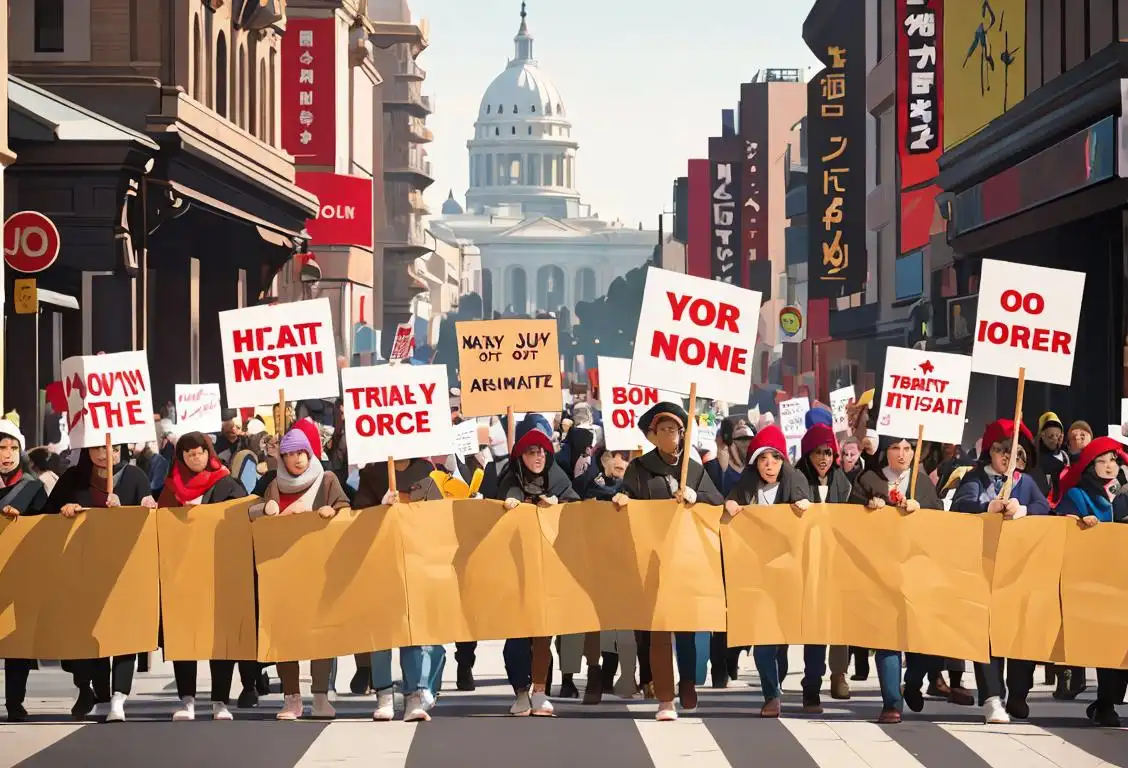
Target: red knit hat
(770, 438)
(1001, 430)
(311, 431)
(819, 434)
(1098, 447)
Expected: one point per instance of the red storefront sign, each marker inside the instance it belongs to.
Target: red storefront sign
(309, 93)
(31, 242)
(920, 28)
(698, 259)
(344, 209)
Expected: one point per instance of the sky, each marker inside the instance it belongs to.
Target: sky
(643, 82)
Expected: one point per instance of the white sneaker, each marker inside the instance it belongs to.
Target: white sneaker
(117, 709)
(523, 706)
(666, 713)
(415, 708)
(541, 706)
(220, 711)
(322, 709)
(292, 707)
(385, 706)
(994, 713)
(186, 710)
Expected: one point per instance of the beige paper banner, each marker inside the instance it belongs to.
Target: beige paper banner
(1025, 589)
(1094, 596)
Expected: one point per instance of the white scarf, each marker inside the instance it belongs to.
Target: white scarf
(766, 494)
(900, 479)
(313, 475)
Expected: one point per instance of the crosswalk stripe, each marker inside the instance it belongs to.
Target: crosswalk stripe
(1022, 746)
(673, 745)
(20, 742)
(357, 743)
(845, 744)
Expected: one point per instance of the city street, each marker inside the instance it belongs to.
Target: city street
(471, 730)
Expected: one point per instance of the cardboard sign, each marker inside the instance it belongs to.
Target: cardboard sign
(279, 346)
(403, 345)
(465, 437)
(108, 395)
(696, 331)
(793, 416)
(839, 399)
(198, 408)
(623, 403)
(924, 387)
(396, 410)
(1027, 318)
(508, 363)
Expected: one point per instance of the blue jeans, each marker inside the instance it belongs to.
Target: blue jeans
(421, 667)
(889, 678)
(685, 653)
(767, 658)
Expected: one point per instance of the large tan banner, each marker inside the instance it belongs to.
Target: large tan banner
(1094, 596)
(79, 588)
(330, 587)
(207, 570)
(1025, 589)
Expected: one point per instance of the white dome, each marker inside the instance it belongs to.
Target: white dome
(524, 86)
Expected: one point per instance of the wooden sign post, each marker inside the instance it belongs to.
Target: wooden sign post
(1008, 486)
(690, 416)
(109, 465)
(916, 462)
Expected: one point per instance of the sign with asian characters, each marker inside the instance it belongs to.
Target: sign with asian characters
(924, 388)
(309, 91)
(198, 408)
(508, 364)
(724, 222)
(279, 346)
(754, 233)
(919, 52)
(108, 395)
(396, 411)
(624, 402)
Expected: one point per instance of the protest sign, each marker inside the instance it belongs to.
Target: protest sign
(465, 438)
(623, 403)
(109, 399)
(279, 346)
(924, 388)
(696, 331)
(793, 415)
(403, 345)
(198, 408)
(399, 411)
(508, 364)
(1027, 318)
(839, 399)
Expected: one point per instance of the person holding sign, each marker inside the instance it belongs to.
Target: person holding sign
(84, 486)
(652, 476)
(982, 490)
(198, 477)
(769, 479)
(532, 477)
(302, 485)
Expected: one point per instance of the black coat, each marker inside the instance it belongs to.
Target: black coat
(130, 486)
(414, 480)
(793, 486)
(839, 485)
(27, 495)
(556, 483)
(649, 477)
(872, 484)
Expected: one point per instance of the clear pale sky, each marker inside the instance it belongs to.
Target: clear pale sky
(643, 81)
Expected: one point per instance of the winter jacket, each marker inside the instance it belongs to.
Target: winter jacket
(793, 486)
(976, 491)
(649, 477)
(872, 484)
(1081, 504)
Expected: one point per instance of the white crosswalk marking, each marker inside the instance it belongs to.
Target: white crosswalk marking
(844, 744)
(676, 745)
(1022, 746)
(360, 743)
(19, 742)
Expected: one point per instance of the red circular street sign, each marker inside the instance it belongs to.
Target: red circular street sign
(31, 242)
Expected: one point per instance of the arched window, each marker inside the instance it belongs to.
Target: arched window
(497, 131)
(530, 130)
(500, 108)
(533, 108)
(550, 288)
(585, 284)
(487, 294)
(260, 95)
(242, 87)
(197, 68)
(272, 92)
(513, 130)
(514, 109)
(221, 71)
(488, 108)
(518, 292)
(559, 108)
(548, 108)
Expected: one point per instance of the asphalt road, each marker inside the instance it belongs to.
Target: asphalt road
(472, 730)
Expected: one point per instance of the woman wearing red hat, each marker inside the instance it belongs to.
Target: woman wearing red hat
(980, 492)
(1092, 492)
(768, 479)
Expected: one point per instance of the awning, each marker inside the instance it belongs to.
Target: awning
(268, 231)
(64, 120)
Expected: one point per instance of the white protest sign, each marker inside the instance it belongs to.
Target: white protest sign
(924, 388)
(839, 399)
(1027, 318)
(696, 331)
(794, 449)
(279, 346)
(624, 402)
(793, 416)
(399, 411)
(465, 436)
(1116, 432)
(1124, 410)
(108, 395)
(198, 408)
(705, 437)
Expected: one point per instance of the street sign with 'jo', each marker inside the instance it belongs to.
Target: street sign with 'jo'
(31, 242)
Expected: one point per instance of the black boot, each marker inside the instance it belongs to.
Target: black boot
(359, 683)
(465, 679)
(84, 704)
(248, 699)
(607, 670)
(568, 688)
(16, 713)
(263, 683)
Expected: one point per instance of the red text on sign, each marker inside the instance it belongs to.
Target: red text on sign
(1031, 303)
(386, 424)
(903, 401)
(107, 415)
(685, 349)
(704, 313)
(269, 338)
(270, 367)
(1036, 339)
(634, 396)
(390, 396)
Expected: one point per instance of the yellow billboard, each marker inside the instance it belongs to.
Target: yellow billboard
(984, 59)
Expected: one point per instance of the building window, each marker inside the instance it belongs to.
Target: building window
(880, 33)
(488, 108)
(533, 108)
(49, 26)
(497, 131)
(272, 91)
(221, 75)
(513, 130)
(197, 69)
(909, 276)
(548, 108)
(530, 130)
(514, 109)
(500, 108)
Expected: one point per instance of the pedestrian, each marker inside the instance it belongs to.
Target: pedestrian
(1079, 435)
(46, 466)
(82, 487)
(1050, 458)
(301, 485)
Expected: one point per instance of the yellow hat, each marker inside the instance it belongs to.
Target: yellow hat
(1049, 418)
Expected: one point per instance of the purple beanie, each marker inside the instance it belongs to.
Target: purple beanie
(295, 441)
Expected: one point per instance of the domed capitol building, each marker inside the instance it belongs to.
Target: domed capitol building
(541, 248)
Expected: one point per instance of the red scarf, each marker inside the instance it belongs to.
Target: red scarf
(196, 485)
(12, 479)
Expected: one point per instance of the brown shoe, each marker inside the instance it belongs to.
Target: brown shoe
(939, 689)
(593, 690)
(961, 696)
(839, 687)
(770, 709)
(648, 691)
(687, 695)
(889, 717)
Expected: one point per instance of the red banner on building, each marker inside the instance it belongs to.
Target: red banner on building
(698, 257)
(309, 93)
(344, 208)
(920, 25)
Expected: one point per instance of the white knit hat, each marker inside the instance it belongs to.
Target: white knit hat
(8, 429)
